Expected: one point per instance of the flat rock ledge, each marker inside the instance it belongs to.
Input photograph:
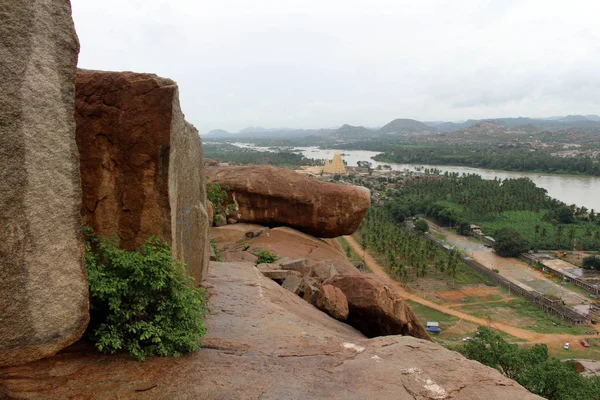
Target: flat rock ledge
(265, 342)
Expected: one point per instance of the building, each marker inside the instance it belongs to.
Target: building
(335, 166)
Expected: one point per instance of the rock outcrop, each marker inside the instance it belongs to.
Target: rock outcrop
(141, 164)
(265, 342)
(280, 197)
(333, 301)
(376, 308)
(43, 282)
(288, 242)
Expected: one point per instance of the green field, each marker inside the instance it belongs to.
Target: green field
(521, 312)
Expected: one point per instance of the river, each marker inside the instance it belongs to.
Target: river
(572, 189)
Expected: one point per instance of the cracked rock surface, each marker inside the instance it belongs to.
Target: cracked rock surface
(266, 343)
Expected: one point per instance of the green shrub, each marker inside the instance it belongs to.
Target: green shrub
(265, 256)
(142, 301)
(421, 226)
(217, 195)
(591, 262)
(509, 242)
(216, 250)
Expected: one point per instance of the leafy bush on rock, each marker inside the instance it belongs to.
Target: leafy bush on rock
(142, 301)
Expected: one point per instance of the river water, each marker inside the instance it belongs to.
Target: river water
(572, 189)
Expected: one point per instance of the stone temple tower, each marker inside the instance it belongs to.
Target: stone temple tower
(336, 166)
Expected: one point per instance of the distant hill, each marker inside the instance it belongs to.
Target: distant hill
(218, 133)
(402, 125)
(405, 126)
(349, 131)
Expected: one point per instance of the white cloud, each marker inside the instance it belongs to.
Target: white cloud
(317, 63)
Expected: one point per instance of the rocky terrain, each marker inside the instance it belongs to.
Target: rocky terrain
(266, 343)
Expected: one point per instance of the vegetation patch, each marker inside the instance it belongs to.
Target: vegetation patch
(531, 366)
(265, 256)
(142, 301)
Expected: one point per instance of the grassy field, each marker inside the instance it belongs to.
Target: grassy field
(521, 312)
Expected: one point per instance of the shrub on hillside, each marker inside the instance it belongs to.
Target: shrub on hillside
(142, 301)
(591, 262)
(531, 366)
(421, 226)
(265, 256)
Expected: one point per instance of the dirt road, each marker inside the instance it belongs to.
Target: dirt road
(529, 336)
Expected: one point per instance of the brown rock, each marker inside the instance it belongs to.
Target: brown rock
(231, 221)
(309, 290)
(292, 283)
(277, 196)
(43, 281)
(210, 211)
(256, 233)
(288, 242)
(265, 342)
(267, 267)
(300, 265)
(141, 164)
(230, 234)
(238, 256)
(279, 275)
(323, 270)
(333, 302)
(376, 308)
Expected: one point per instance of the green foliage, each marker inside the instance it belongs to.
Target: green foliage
(265, 256)
(421, 226)
(216, 250)
(591, 262)
(454, 200)
(531, 367)
(509, 242)
(142, 301)
(217, 196)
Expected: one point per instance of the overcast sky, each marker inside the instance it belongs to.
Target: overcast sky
(323, 63)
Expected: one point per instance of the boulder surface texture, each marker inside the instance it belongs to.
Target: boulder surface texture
(43, 282)
(376, 308)
(265, 342)
(141, 164)
(280, 197)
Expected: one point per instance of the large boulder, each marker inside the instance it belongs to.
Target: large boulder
(333, 301)
(376, 308)
(43, 282)
(280, 197)
(141, 164)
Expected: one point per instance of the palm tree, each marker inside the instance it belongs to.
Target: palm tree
(571, 235)
(558, 236)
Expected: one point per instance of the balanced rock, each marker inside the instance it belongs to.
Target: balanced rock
(333, 301)
(141, 164)
(43, 281)
(280, 197)
(376, 308)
